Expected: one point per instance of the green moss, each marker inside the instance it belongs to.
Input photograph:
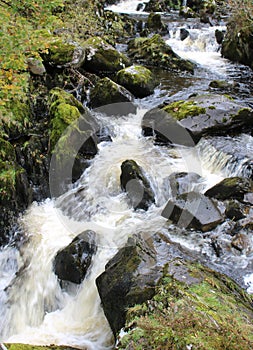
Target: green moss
(64, 110)
(208, 312)
(60, 52)
(183, 109)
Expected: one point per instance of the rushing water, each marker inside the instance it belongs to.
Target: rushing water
(33, 306)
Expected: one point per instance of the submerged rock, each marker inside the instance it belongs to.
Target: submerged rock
(231, 188)
(154, 51)
(193, 210)
(107, 92)
(72, 262)
(137, 186)
(137, 79)
(103, 58)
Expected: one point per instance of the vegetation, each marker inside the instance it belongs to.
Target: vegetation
(207, 311)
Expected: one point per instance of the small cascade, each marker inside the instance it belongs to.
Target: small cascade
(228, 156)
(184, 3)
(129, 7)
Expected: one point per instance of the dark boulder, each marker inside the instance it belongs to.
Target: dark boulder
(219, 35)
(155, 24)
(237, 44)
(72, 262)
(235, 210)
(102, 58)
(211, 115)
(137, 186)
(129, 279)
(184, 33)
(107, 92)
(165, 129)
(155, 52)
(231, 188)
(193, 210)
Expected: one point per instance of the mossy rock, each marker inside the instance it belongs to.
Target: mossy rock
(64, 110)
(155, 24)
(193, 307)
(102, 58)
(59, 53)
(155, 52)
(183, 109)
(108, 92)
(162, 5)
(137, 79)
(211, 114)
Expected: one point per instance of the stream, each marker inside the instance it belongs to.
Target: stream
(34, 308)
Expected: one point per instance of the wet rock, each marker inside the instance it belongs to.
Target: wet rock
(193, 210)
(137, 186)
(165, 129)
(155, 24)
(211, 115)
(219, 35)
(129, 279)
(102, 58)
(154, 51)
(231, 188)
(242, 242)
(235, 210)
(184, 33)
(162, 5)
(155, 280)
(107, 92)
(137, 79)
(182, 182)
(238, 41)
(72, 262)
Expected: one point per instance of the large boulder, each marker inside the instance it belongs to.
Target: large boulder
(193, 307)
(72, 262)
(211, 115)
(165, 129)
(155, 24)
(154, 51)
(137, 186)
(137, 79)
(193, 210)
(129, 279)
(154, 280)
(107, 92)
(237, 44)
(102, 58)
(231, 188)
(182, 182)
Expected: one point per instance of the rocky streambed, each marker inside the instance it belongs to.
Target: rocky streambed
(147, 154)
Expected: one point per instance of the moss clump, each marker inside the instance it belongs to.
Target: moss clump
(183, 109)
(64, 110)
(60, 53)
(207, 311)
(137, 79)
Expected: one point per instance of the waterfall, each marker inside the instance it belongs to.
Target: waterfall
(184, 3)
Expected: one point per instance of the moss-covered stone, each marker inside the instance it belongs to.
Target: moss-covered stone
(103, 58)
(155, 52)
(183, 109)
(64, 110)
(59, 53)
(194, 307)
(107, 92)
(137, 79)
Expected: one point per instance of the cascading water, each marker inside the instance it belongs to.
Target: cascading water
(34, 308)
